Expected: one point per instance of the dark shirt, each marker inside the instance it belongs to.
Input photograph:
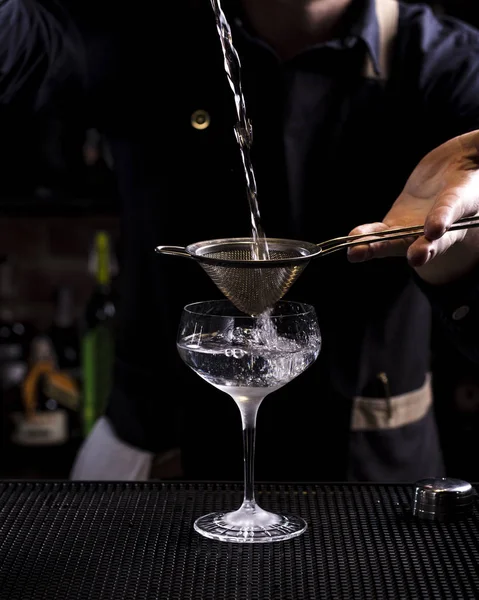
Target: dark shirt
(331, 150)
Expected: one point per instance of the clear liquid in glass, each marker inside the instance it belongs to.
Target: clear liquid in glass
(238, 369)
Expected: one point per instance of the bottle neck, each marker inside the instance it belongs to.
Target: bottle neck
(103, 271)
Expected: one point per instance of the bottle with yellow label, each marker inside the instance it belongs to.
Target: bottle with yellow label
(43, 419)
(98, 337)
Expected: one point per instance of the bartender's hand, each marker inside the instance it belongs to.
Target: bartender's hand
(442, 188)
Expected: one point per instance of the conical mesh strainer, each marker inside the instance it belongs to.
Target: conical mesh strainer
(252, 285)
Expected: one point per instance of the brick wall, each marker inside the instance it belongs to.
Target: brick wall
(46, 252)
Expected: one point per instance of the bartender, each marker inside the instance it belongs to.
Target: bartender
(348, 98)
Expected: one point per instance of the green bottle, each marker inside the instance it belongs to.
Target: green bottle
(98, 340)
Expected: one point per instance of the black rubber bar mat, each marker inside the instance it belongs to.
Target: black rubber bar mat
(100, 541)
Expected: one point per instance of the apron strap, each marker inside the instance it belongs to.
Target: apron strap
(387, 13)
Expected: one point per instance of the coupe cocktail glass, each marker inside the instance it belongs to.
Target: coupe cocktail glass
(248, 358)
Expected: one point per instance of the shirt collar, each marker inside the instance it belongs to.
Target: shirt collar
(361, 23)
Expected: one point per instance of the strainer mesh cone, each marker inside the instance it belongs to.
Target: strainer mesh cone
(250, 288)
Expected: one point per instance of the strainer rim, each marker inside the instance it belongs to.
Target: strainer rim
(315, 251)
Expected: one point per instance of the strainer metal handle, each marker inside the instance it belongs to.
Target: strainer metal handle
(174, 250)
(397, 233)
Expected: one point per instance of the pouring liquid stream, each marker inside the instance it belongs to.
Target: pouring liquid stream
(243, 130)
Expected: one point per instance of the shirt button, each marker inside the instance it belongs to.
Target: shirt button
(460, 313)
(200, 119)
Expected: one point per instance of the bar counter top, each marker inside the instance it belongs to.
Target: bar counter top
(120, 540)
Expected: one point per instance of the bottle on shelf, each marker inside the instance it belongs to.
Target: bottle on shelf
(98, 336)
(64, 334)
(44, 418)
(15, 337)
(44, 427)
(15, 334)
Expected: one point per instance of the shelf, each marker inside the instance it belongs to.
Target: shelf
(58, 207)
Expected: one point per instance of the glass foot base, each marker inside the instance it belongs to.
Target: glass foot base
(258, 527)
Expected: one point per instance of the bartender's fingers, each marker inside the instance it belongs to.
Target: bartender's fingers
(379, 249)
(443, 214)
(418, 250)
(423, 250)
(451, 205)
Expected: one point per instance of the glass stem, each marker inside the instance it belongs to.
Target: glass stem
(249, 410)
